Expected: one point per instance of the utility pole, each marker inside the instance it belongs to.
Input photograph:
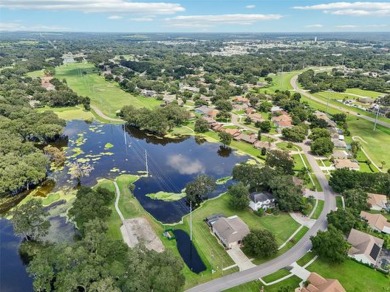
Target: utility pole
(190, 220)
(376, 117)
(146, 163)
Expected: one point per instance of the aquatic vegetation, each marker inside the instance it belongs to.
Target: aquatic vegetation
(108, 146)
(223, 180)
(166, 196)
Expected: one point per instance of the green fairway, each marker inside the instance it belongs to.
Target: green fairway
(362, 92)
(107, 96)
(280, 81)
(70, 113)
(352, 275)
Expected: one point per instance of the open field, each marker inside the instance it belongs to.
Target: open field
(280, 81)
(107, 96)
(70, 113)
(352, 275)
(35, 74)
(362, 92)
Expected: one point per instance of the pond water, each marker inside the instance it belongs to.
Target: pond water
(172, 163)
(188, 252)
(13, 274)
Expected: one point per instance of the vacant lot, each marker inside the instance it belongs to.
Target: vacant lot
(107, 96)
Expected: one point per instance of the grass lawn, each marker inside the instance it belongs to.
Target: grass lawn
(255, 286)
(70, 113)
(275, 276)
(107, 96)
(298, 162)
(362, 92)
(306, 258)
(317, 212)
(35, 74)
(280, 81)
(352, 275)
(284, 146)
(339, 202)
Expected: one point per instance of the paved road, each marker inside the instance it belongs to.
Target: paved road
(294, 84)
(288, 257)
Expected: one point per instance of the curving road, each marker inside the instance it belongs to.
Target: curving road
(289, 257)
(294, 84)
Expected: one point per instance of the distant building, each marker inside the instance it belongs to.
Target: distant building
(346, 163)
(251, 138)
(340, 154)
(377, 222)
(377, 201)
(233, 132)
(365, 247)
(261, 200)
(264, 144)
(366, 99)
(256, 117)
(282, 121)
(316, 283)
(339, 144)
(240, 99)
(230, 231)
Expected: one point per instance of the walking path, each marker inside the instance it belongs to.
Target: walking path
(102, 115)
(118, 195)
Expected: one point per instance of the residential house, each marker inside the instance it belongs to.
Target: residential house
(240, 99)
(230, 231)
(261, 200)
(317, 283)
(251, 138)
(323, 116)
(340, 154)
(216, 127)
(256, 117)
(339, 144)
(276, 109)
(366, 99)
(169, 98)
(148, 93)
(207, 111)
(377, 222)
(365, 247)
(233, 132)
(209, 120)
(282, 121)
(250, 110)
(212, 218)
(264, 144)
(377, 201)
(346, 163)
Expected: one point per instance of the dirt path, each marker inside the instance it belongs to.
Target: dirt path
(102, 115)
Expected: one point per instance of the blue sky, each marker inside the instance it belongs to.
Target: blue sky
(194, 15)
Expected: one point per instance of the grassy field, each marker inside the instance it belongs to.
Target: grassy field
(352, 275)
(35, 74)
(317, 212)
(362, 92)
(280, 81)
(275, 276)
(70, 113)
(107, 96)
(306, 258)
(255, 286)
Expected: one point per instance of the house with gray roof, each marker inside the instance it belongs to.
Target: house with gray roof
(230, 231)
(261, 200)
(365, 247)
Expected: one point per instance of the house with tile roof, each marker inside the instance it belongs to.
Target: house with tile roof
(377, 222)
(377, 201)
(317, 283)
(230, 231)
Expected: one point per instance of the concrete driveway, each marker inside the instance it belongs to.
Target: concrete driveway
(240, 258)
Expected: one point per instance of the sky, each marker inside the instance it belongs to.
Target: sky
(194, 16)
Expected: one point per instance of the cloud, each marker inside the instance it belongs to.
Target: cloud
(351, 8)
(347, 26)
(211, 20)
(250, 6)
(353, 26)
(142, 19)
(314, 26)
(185, 165)
(115, 17)
(90, 6)
(17, 26)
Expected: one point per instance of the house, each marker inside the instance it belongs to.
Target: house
(276, 109)
(233, 132)
(323, 116)
(148, 93)
(251, 139)
(240, 99)
(365, 247)
(264, 144)
(282, 121)
(230, 231)
(250, 110)
(339, 144)
(317, 283)
(212, 218)
(346, 163)
(216, 127)
(262, 200)
(206, 111)
(209, 120)
(256, 117)
(365, 99)
(377, 222)
(169, 98)
(377, 201)
(340, 154)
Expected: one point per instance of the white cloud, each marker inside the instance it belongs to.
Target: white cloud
(351, 8)
(185, 165)
(314, 26)
(211, 20)
(89, 6)
(142, 19)
(115, 17)
(18, 26)
(250, 6)
(368, 26)
(347, 26)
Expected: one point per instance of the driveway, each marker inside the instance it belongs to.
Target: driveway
(240, 258)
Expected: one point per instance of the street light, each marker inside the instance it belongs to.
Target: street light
(376, 116)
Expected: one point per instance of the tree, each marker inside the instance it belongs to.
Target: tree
(225, 138)
(322, 146)
(330, 245)
(201, 125)
(78, 170)
(57, 156)
(265, 126)
(224, 105)
(319, 133)
(239, 196)
(343, 220)
(280, 160)
(294, 134)
(263, 151)
(197, 190)
(355, 147)
(356, 199)
(29, 220)
(260, 243)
